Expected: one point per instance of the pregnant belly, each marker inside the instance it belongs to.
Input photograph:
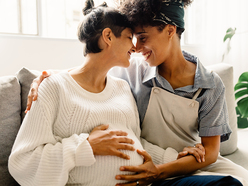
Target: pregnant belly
(104, 170)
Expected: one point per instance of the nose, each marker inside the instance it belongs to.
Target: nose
(138, 47)
(133, 49)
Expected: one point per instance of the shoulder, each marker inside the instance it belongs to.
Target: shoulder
(52, 85)
(117, 82)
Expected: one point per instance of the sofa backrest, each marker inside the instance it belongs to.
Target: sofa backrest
(225, 71)
(13, 99)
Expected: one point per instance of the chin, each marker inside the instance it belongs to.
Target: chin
(126, 65)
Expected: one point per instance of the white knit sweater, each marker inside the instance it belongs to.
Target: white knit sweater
(51, 147)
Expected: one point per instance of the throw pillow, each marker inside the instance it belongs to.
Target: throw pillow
(26, 77)
(10, 120)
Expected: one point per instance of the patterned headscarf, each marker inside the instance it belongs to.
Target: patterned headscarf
(172, 12)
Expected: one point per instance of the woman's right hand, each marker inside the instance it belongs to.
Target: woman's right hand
(33, 92)
(106, 142)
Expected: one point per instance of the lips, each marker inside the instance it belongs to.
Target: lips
(147, 55)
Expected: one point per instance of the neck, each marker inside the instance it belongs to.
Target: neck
(177, 70)
(174, 65)
(91, 75)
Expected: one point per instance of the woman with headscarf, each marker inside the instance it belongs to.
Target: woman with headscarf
(180, 102)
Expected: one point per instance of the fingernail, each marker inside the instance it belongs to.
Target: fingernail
(118, 177)
(122, 168)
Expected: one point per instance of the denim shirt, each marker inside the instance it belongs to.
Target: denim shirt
(212, 114)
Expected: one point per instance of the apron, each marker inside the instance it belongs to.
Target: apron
(171, 120)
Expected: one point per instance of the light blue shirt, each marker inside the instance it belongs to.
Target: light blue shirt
(212, 114)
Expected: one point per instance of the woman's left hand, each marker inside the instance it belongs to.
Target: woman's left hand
(198, 151)
(145, 173)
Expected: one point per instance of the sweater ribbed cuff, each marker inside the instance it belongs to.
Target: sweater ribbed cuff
(170, 154)
(158, 154)
(84, 154)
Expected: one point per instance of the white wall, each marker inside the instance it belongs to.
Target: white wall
(38, 53)
(46, 53)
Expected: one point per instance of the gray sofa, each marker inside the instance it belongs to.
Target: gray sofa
(13, 95)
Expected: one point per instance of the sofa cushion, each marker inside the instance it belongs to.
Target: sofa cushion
(25, 77)
(225, 71)
(10, 119)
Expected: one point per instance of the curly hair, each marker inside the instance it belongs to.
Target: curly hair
(142, 12)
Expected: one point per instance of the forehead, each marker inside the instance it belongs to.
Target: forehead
(127, 31)
(143, 29)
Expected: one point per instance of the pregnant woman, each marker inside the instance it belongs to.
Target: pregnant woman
(56, 144)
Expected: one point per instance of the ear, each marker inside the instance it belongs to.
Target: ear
(107, 36)
(172, 29)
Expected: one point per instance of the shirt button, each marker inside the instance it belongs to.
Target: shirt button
(156, 91)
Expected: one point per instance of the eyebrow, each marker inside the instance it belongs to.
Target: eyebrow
(139, 33)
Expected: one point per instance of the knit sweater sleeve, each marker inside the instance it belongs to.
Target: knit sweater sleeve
(158, 154)
(40, 158)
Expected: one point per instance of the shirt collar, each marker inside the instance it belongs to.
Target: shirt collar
(150, 73)
(203, 76)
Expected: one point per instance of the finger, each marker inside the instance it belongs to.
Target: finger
(197, 156)
(121, 155)
(131, 177)
(32, 96)
(144, 154)
(197, 153)
(182, 154)
(46, 73)
(119, 133)
(123, 139)
(131, 168)
(128, 184)
(201, 151)
(101, 127)
(200, 146)
(125, 147)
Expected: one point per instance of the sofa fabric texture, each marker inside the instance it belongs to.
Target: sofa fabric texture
(10, 120)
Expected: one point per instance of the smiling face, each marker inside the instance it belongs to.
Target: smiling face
(153, 44)
(123, 47)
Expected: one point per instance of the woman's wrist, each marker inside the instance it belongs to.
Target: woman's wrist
(162, 174)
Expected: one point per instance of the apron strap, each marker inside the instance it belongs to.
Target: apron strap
(153, 82)
(197, 93)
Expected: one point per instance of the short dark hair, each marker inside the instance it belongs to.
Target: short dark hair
(142, 12)
(96, 20)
